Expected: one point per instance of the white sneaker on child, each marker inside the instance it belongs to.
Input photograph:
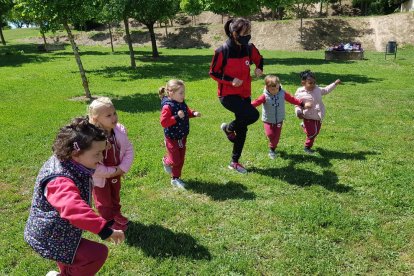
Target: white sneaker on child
(167, 168)
(178, 183)
(52, 273)
(272, 154)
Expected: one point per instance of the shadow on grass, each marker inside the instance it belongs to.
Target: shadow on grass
(137, 103)
(159, 242)
(17, 55)
(190, 68)
(324, 79)
(187, 37)
(220, 192)
(304, 178)
(324, 160)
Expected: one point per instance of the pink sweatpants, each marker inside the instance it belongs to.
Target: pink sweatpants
(175, 155)
(107, 199)
(89, 259)
(311, 128)
(273, 133)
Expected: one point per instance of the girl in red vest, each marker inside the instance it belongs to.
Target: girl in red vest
(230, 67)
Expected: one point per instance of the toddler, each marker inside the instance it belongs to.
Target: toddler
(118, 158)
(313, 116)
(273, 110)
(174, 119)
(61, 209)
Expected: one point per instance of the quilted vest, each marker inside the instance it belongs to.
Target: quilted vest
(48, 234)
(273, 110)
(182, 127)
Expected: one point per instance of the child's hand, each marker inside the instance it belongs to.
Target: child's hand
(258, 72)
(180, 114)
(197, 114)
(338, 81)
(299, 114)
(117, 236)
(307, 105)
(237, 82)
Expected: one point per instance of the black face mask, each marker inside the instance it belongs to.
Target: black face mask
(244, 40)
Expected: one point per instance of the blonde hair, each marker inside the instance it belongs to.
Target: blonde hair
(172, 86)
(271, 79)
(96, 106)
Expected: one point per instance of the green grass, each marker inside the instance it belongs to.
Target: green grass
(346, 210)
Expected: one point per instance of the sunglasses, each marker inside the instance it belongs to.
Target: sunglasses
(272, 85)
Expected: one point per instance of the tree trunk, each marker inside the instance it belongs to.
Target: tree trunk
(172, 22)
(78, 61)
(153, 41)
(3, 41)
(166, 30)
(222, 19)
(110, 36)
(129, 41)
(44, 40)
(301, 29)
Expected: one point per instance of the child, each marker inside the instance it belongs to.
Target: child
(61, 210)
(312, 117)
(273, 110)
(174, 118)
(118, 157)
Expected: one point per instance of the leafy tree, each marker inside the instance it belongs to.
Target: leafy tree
(277, 7)
(376, 6)
(192, 7)
(5, 8)
(234, 7)
(149, 12)
(64, 12)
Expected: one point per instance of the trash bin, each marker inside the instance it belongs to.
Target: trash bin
(391, 49)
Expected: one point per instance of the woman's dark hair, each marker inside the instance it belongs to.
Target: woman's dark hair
(76, 136)
(307, 74)
(236, 25)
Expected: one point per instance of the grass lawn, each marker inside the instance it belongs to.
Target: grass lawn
(348, 209)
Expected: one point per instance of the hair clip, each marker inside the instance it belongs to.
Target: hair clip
(76, 146)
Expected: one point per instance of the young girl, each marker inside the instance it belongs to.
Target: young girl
(61, 210)
(230, 68)
(118, 157)
(312, 117)
(174, 118)
(273, 110)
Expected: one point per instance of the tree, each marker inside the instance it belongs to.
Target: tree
(5, 8)
(300, 7)
(277, 7)
(192, 7)
(62, 13)
(149, 12)
(234, 7)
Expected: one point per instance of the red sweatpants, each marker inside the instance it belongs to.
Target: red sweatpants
(273, 133)
(175, 155)
(311, 128)
(107, 199)
(89, 259)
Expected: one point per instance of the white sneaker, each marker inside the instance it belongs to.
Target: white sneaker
(272, 154)
(53, 273)
(237, 167)
(178, 183)
(167, 168)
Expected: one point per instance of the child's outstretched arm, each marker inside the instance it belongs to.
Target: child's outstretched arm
(330, 88)
(192, 113)
(64, 196)
(259, 100)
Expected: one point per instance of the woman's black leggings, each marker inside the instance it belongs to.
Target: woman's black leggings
(246, 114)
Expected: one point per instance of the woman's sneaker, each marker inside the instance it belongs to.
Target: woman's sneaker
(52, 273)
(178, 183)
(237, 167)
(272, 154)
(167, 168)
(231, 135)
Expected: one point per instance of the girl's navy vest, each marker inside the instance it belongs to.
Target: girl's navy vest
(48, 234)
(182, 127)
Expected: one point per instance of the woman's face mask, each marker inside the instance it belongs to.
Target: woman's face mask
(244, 40)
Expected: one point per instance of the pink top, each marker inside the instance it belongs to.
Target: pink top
(126, 156)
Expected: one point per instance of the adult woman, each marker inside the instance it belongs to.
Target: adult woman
(230, 67)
